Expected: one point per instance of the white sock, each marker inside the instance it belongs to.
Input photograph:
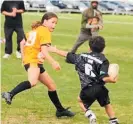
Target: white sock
(114, 121)
(89, 114)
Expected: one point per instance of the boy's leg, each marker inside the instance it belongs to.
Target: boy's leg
(33, 74)
(81, 105)
(110, 112)
(87, 96)
(104, 101)
(92, 117)
(47, 80)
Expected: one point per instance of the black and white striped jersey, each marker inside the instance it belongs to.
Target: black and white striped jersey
(91, 67)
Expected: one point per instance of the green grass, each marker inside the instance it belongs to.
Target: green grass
(34, 106)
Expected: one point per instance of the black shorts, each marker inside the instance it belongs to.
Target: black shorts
(38, 65)
(96, 92)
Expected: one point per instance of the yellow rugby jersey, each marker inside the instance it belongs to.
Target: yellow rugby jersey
(35, 39)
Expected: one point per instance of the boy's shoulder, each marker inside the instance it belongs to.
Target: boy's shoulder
(103, 57)
(99, 56)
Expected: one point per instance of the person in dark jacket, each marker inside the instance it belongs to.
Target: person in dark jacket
(13, 22)
(85, 32)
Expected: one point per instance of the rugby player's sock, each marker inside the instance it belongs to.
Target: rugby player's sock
(90, 114)
(55, 100)
(20, 87)
(113, 121)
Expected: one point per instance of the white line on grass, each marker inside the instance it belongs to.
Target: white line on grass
(70, 18)
(112, 37)
(75, 35)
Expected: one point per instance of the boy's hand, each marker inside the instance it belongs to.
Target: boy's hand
(56, 65)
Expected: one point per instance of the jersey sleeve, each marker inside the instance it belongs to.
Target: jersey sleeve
(72, 58)
(45, 37)
(104, 69)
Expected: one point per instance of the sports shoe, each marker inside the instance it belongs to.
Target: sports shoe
(115, 122)
(93, 121)
(18, 55)
(8, 97)
(65, 112)
(6, 56)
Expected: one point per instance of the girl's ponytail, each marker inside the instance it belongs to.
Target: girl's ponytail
(35, 24)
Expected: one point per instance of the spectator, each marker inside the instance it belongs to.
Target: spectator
(85, 33)
(93, 25)
(13, 22)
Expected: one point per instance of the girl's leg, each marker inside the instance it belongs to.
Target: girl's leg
(33, 74)
(47, 80)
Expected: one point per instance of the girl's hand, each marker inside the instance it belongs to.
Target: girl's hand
(41, 57)
(56, 65)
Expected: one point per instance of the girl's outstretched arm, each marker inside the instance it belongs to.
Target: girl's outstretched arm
(57, 51)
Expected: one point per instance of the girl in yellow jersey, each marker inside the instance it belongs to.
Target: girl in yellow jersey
(37, 43)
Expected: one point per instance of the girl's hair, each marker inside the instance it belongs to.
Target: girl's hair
(46, 16)
(35, 24)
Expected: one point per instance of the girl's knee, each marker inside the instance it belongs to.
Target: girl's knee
(33, 83)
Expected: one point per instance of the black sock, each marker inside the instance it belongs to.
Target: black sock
(20, 87)
(112, 119)
(55, 100)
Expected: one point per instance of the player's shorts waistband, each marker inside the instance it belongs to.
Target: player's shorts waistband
(27, 66)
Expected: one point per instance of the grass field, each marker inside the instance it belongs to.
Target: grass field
(34, 106)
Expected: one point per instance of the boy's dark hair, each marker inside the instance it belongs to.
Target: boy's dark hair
(97, 44)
